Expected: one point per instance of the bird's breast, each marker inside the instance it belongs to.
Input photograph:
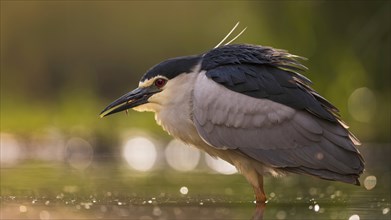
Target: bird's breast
(177, 122)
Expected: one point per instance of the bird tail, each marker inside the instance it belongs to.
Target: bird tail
(325, 174)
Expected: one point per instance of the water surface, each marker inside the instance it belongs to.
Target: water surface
(43, 190)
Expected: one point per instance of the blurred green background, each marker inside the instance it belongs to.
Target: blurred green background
(62, 62)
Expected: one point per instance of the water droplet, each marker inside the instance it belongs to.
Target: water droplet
(86, 205)
(184, 190)
(272, 194)
(23, 209)
(316, 208)
(60, 196)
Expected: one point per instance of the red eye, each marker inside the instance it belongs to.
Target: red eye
(160, 82)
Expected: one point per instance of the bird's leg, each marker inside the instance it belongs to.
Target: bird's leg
(260, 196)
(253, 177)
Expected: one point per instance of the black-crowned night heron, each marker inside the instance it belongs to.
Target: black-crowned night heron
(248, 105)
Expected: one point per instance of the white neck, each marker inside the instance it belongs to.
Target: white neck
(173, 106)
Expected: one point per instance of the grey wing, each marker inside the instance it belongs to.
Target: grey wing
(274, 134)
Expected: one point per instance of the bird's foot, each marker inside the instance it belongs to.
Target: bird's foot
(260, 198)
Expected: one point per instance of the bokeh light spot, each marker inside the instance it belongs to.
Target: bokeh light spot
(370, 182)
(220, 165)
(316, 208)
(10, 151)
(22, 209)
(181, 157)
(79, 153)
(140, 153)
(362, 104)
(354, 217)
(319, 156)
(184, 190)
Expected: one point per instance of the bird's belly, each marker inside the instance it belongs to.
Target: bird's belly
(187, 133)
(177, 122)
(184, 130)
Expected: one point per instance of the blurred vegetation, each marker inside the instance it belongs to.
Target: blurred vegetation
(62, 62)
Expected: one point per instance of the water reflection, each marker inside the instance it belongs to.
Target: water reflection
(157, 208)
(39, 190)
(259, 212)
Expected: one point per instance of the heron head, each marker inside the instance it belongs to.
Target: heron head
(156, 87)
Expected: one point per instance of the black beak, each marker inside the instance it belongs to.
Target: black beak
(131, 99)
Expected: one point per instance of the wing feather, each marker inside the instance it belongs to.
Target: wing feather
(273, 134)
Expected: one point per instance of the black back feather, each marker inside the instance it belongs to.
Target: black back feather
(264, 72)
